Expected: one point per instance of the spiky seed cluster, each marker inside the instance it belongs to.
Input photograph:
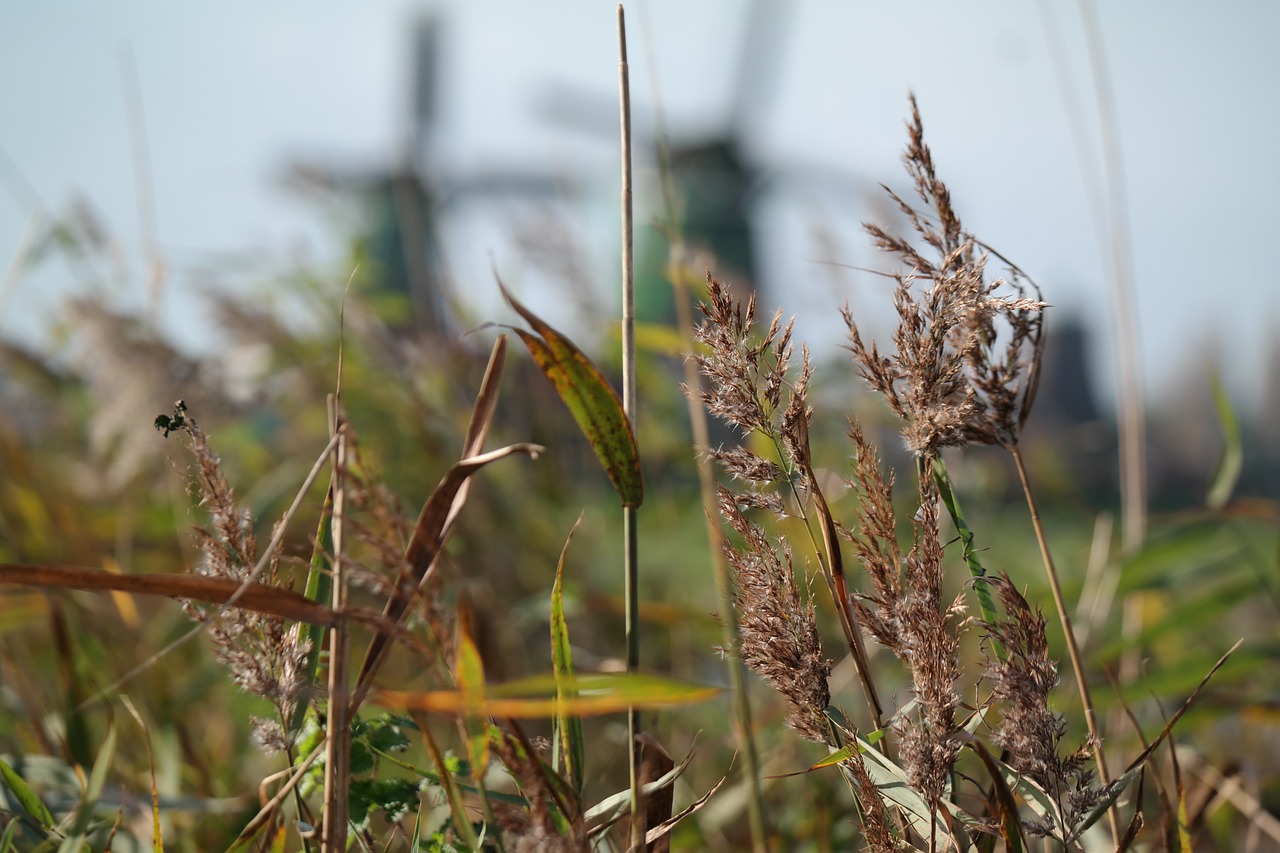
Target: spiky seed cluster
(746, 386)
(949, 379)
(1030, 730)
(778, 634)
(265, 657)
(744, 379)
(906, 614)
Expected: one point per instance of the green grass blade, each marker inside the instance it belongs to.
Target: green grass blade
(895, 789)
(92, 792)
(591, 399)
(980, 587)
(469, 675)
(569, 757)
(1231, 462)
(457, 807)
(26, 796)
(318, 589)
(6, 840)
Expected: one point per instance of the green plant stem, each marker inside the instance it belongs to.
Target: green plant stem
(831, 562)
(976, 570)
(1073, 651)
(630, 573)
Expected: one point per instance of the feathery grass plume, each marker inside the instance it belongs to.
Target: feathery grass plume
(906, 614)
(1030, 731)
(744, 379)
(778, 636)
(376, 521)
(745, 388)
(264, 656)
(950, 379)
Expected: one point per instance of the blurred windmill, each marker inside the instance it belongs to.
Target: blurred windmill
(404, 204)
(716, 185)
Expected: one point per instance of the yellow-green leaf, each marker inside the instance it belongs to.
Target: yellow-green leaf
(1231, 462)
(590, 398)
(535, 697)
(469, 675)
(570, 742)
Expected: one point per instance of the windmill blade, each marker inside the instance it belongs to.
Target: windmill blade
(760, 63)
(591, 111)
(425, 85)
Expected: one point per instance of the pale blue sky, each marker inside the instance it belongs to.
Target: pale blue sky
(234, 91)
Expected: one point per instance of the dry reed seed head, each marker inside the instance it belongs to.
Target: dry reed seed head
(945, 379)
(230, 549)
(268, 735)
(1030, 730)
(741, 464)
(778, 634)
(932, 653)
(761, 476)
(875, 543)
(875, 823)
(905, 612)
(128, 367)
(745, 380)
(263, 655)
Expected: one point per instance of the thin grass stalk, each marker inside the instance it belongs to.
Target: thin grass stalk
(701, 435)
(337, 770)
(629, 535)
(1129, 399)
(272, 805)
(22, 255)
(1073, 650)
(1129, 402)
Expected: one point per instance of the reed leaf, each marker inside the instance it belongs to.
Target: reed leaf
(26, 796)
(590, 398)
(538, 696)
(568, 738)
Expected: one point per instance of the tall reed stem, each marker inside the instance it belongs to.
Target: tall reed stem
(1073, 651)
(631, 542)
(337, 769)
